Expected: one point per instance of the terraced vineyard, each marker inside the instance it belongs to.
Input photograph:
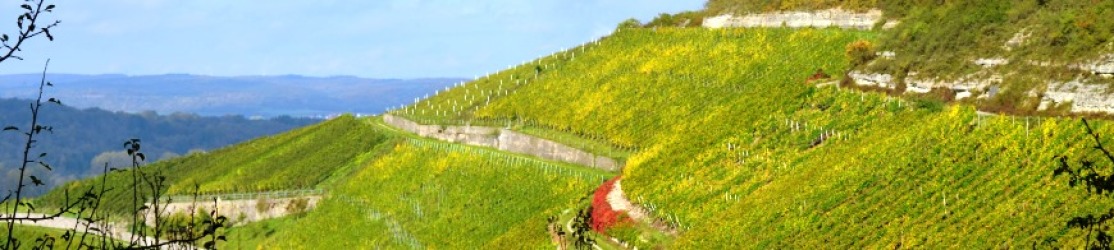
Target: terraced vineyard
(735, 149)
(724, 138)
(426, 194)
(300, 159)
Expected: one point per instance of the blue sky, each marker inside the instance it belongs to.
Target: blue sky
(373, 38)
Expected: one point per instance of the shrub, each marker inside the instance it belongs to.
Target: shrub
(603, 216)
(860, 52)
(630, 24)
(262, 205)
(297, 206)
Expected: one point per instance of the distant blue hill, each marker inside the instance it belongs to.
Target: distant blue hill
(250, 96)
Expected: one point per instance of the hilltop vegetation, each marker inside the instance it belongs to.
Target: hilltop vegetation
(1036, 45)
(737, 150)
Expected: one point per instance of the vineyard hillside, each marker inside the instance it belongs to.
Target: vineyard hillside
(735, 145)
(426, 194)
(305, 158)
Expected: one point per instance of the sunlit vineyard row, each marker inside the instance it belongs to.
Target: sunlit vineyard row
(428, 194)
(736, 149)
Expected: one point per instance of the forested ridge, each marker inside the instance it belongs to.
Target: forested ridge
(80, 135)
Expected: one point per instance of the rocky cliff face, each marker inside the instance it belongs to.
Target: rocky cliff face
(1083, 93)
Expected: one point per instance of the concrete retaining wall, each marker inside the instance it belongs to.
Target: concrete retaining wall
(506, 140)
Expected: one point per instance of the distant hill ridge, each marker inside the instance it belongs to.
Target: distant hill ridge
(82, 136)
(264, 96)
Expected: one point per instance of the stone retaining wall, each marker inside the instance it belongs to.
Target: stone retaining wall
(801, 19)
(506, 140)
(237, 211)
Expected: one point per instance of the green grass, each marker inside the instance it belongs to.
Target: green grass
(251, 235)
(429, 194)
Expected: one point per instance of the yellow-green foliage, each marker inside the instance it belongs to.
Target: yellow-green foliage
(737, 151)
(299, 159)
(32, 237)
(428, 194)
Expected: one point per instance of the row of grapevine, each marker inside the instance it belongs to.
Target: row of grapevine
(430, 194)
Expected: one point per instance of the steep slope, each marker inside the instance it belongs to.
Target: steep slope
(427, 194)
(299, 159)
(389, 188)
(736, 150)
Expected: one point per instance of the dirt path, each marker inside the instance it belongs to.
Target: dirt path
(620, 203)
(66, 223)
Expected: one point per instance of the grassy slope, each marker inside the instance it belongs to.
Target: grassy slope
(29, 236)
(714, 111)
(302, 158)
(429, 194)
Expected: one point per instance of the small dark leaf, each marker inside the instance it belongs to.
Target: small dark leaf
(49, 8)
(42, 155)
(26, 6)
(222, 238)
(47, 166)
(31, 26)
(11, 128)
(210, 245)
(48, 36)
(141, 157)
(48, 84)
(29, 205)
(144, 207)
(4, 38)
(131, 151)
(36, 181)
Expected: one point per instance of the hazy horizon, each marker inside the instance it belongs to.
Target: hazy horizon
(397, 39)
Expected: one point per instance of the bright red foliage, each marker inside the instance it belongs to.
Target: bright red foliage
(603, 217)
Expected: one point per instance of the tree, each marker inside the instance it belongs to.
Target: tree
(145, 185)
(1097, 179)
(630, 24)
